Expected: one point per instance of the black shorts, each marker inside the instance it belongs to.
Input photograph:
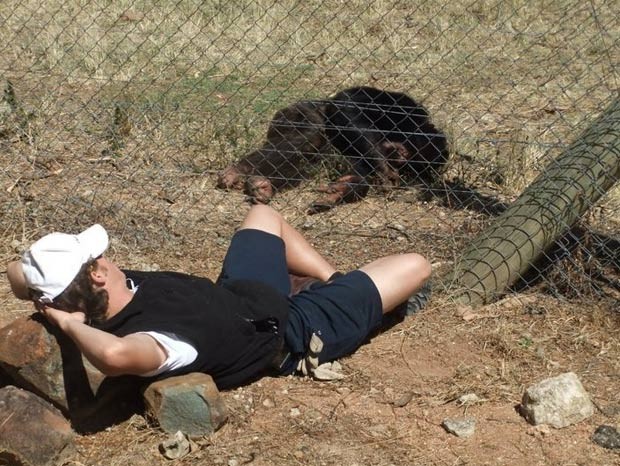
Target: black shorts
(342, 313)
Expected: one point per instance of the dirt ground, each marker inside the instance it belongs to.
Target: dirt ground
(400, 386)
(122, 112)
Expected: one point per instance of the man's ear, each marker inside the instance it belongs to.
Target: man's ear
(99, 273)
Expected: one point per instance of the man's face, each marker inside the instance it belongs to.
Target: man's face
(113, 275)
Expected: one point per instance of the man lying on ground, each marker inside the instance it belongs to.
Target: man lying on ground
(241, 327)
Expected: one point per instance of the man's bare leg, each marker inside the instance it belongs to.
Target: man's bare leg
(398, 277)
(301, 258)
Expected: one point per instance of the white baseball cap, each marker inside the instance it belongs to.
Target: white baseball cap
(51, 263)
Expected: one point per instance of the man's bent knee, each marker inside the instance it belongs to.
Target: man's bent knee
(262, 217)
(420, 267)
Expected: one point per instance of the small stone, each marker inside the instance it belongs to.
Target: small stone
(138, 422)
(176, 446)
(538, 431)
(328, 371)
(403, 400)
(233, 462)
(460, 427)
(607, 437)
(468, 399)
(295, 412)
(16, 245)
(268, 403)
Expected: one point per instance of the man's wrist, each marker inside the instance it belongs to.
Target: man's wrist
(68, 323)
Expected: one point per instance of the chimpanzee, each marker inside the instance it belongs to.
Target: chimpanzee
(385, 136)
(295, 141)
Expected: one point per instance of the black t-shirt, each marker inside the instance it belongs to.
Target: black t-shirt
(236, 329)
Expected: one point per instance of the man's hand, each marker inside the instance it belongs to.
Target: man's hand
(134, 354)
(60, 318)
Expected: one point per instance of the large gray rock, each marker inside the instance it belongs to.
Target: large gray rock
(32, 431)
(559, 401)
(190, 403)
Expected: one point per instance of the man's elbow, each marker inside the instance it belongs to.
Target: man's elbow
(123, 358)
(113, 361)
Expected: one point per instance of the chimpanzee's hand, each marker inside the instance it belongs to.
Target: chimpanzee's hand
(258, 190)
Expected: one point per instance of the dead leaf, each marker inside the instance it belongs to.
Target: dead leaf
(130, 15)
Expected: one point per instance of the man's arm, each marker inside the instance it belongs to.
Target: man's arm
(134, 354)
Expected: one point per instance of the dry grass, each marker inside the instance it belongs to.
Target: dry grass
(511, 83)
(199, 83)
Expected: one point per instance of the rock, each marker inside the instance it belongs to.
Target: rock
(175, 447)
(538, 431)
(460, 427)
(558, 401)
(32, 431)
(328, 371)
(30, 351)
(268, 403)
(31, 356)
(403, 400)
(469, 399)
(190, 403)
(607, 437)
(38, 357)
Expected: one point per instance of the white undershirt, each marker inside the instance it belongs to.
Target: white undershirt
(179, 353)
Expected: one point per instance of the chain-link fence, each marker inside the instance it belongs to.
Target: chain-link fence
(128, 113)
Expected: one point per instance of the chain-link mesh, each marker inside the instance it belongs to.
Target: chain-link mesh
(145, 116)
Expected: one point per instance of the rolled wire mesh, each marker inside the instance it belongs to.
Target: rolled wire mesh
(126, 113)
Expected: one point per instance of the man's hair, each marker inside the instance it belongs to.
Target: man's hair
(80, 295)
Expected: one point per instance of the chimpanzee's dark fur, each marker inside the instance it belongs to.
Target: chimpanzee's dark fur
(295, 139)
(385, 136)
